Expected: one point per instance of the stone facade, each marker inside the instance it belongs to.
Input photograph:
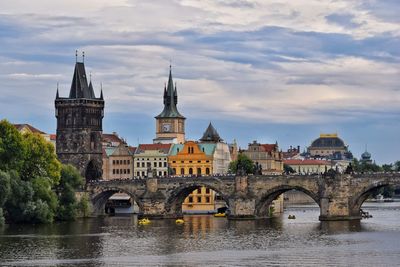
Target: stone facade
(79, 126)
(268, 155)
(309, 166)
(338, 196)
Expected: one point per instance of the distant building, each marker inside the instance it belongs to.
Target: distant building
(308, 166)
(111, 140)
(234, 150)
(27, 128)
(118, 162)
(366, 158)
(221, 154)
(291, 153)
(329, 146)
(80, 126)
(153, 156)
(267, 155)
(170, 124)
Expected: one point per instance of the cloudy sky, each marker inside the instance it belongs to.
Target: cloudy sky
(266, 70)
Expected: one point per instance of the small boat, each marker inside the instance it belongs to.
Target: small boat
(144, 221)
(179, 221)
(379, 198)
(292, 217)
(219, 215)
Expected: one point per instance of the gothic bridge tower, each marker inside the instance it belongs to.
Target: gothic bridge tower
(79, 126)
(170, 124)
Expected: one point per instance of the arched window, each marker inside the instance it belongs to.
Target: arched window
(182, 171)
(190, 171)
(199, 171)
(207, 171)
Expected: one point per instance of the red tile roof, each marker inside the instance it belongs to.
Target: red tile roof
(163, 147)
(112, 138)
(53, 137)
(269, 147)
(306, 162)
(30, 127)
(132, 149)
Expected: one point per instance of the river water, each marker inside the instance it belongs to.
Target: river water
(209, 241)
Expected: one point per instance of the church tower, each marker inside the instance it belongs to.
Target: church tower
(170, 124)
(79, 126)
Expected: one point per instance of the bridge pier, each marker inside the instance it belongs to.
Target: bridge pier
(242, 209)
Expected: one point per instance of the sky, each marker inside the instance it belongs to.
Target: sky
(265, 70)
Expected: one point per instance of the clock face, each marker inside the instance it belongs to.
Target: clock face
(166, 127)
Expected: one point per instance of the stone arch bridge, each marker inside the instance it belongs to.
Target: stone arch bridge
(339, 196)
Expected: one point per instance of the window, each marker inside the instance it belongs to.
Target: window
(160, 164)
(155, 164)
(143, 165)
(113, 171)
(125, 161)
(207, 170)
(182, 171)
(117, 171)
(199, 161)
(159, 173)
(198, 199)
(165, 164)
(138, 164)
(124, 171)
(190, 171)
(128, 161)
(190, 161)
(190, 200)
(207, 161)
(143, 174)
(129, 171)
(113, 162)
(198, 170)
(207, 190)
(165, 173)
(174, 161)
(182, 161)
(208, 200)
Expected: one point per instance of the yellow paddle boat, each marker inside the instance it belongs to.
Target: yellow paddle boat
(179, 221)
(144, 221)
(219, 215)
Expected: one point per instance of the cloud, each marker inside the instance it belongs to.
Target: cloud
(263, 62)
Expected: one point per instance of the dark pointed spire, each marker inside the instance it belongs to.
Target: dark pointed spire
(211, 135)
(57, 95)
(79, 86)
(170, 100)
(101, 91)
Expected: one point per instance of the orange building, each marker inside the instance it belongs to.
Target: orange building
(192, 158)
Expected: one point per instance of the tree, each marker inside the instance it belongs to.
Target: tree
(387, 167)
(287, 169)
(397, 166)
(4, 192)
(12, 148)
(244, 162)
(40, 159)
(70, 181)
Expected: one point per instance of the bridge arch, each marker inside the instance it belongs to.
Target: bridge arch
(360, 197)
(262, 204)
(173, 205)
(99, 199)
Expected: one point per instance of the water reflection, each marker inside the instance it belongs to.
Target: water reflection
(205, 240)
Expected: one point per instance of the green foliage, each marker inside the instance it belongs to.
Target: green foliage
(2, 221)
(365, 167)
(287, 169)
(12, 148)
(5, 188)
(244, 161)
(70, 181)
(396, 166)
(387, 167)
(40, 159)
(84, 206)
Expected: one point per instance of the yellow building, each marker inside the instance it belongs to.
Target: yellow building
(192, 158)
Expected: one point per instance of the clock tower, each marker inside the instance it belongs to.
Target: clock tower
(170, 124)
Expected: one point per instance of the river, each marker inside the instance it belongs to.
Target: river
(209, 241)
